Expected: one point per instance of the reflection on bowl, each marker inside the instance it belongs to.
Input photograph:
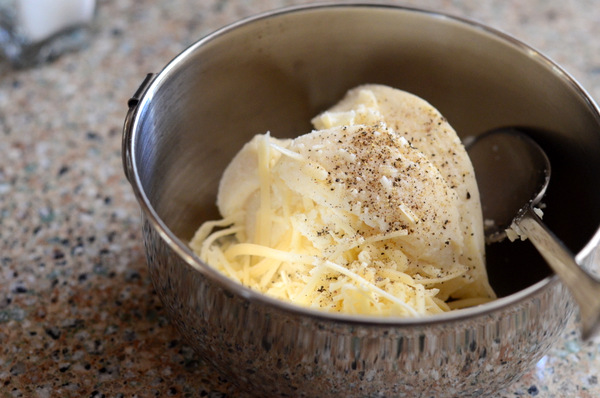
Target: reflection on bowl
(273, 73)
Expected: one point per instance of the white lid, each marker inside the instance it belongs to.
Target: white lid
(41, 19)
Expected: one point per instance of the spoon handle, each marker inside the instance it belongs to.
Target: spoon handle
(584, 288)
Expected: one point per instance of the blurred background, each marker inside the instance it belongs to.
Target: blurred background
(78, 315)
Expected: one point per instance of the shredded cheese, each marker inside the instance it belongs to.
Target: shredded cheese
(338, 235)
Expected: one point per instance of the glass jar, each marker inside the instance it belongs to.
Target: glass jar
(37, 31)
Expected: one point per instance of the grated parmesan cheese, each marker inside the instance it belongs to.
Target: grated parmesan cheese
(376, 212)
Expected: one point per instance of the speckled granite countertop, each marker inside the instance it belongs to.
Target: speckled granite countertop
(78, 316)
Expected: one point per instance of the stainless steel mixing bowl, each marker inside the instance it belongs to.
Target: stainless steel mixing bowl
(273, 73)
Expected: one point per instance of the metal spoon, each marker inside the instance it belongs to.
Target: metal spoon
(513, 173)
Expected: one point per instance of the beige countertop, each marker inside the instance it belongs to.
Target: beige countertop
(78, 315)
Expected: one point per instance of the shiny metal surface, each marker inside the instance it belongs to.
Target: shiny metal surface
(584, 287)
(274, 72)
(513, 174)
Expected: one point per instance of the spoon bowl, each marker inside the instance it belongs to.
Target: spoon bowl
(513, 173)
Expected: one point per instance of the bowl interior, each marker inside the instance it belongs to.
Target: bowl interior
(275, 73)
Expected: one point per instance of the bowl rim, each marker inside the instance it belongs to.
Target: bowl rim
(155, 81)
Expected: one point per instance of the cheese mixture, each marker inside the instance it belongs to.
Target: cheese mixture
(375, 212)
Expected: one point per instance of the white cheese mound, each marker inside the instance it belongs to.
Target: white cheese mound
(375, 212)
